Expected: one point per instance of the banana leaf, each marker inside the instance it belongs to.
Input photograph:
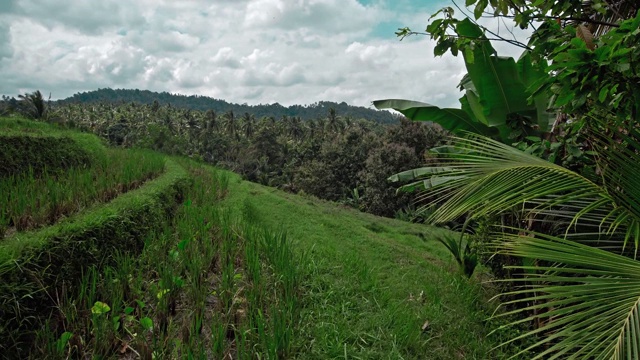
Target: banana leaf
(454, 120)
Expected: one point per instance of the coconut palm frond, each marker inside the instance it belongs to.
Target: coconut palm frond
(588, 301)
(483, 177)
(492, 177)
(621, 179)
(35, 105)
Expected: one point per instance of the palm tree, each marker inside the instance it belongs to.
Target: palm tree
(311, 128)
(211, 120)
(34, 104)
(333, 123)
(298, 128)
(587, 295)
(294, 127)
(230, 124)
(248, 124)
(321, 126)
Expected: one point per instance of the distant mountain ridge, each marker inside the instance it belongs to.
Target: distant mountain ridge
(204, 103)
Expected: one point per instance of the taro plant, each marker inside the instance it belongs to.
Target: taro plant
(101, 326)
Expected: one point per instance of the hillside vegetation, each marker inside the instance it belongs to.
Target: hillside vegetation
(204, 103)
(200, 263)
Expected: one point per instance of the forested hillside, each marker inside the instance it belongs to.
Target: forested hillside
(204, 103)
(333, 157)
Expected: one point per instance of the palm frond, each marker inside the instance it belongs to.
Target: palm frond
(493, 177)
(621, 175)
(588, 301)
(483, 177)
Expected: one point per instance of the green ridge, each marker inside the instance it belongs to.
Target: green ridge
(33, 265)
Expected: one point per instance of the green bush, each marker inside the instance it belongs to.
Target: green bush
(380, 196)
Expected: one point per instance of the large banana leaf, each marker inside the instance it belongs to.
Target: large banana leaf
(454, 120)
(588, 301)
(500, 90)
(495, 91)
(533, 75)
(470, 101)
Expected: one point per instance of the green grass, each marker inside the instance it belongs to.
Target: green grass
(37, 268)
(372, 283)
(200, 264)
(30, 200)
(209, 284)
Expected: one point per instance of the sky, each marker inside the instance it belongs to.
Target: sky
(241, 51)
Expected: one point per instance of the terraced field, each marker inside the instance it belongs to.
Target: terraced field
(114, 253)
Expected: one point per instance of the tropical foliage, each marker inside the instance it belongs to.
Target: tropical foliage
(495, 102)
(569, 204)
(204, 103)
(32, 105)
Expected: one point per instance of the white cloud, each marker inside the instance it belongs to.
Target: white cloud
(258, 51)
(92, 17)
(119, 61)
(171, 41)
(158, 71)
(225, 57)
(324, 16)
(186, 77)
(371, 57)
(255, 56)
(273, 74)
(6, 51)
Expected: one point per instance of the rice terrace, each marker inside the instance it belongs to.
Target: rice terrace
(150, 225)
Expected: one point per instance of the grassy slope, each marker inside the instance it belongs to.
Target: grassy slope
(371, 283)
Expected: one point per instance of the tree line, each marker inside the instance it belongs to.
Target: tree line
(204, 103)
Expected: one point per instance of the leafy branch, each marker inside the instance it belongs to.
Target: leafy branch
(404, 32)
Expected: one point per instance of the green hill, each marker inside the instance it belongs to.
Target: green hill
(204, 103)
(197, 263)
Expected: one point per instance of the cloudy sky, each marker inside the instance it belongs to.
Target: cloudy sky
(242, 51)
